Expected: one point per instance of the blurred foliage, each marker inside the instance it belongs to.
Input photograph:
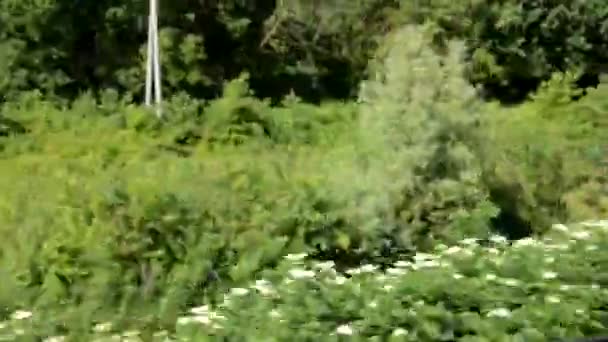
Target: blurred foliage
(99, 195)
(47, 45)
(551, 148)
(330, 128)
(514, 45)
(319, 49)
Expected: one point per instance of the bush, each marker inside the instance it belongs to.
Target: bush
(544, 162)
(123, 221)
(462, 293)
(419, 127)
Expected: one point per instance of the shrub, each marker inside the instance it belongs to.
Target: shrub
(463, 293)
(97, 213)
(544, 162)
(238, 117)
(418, 124)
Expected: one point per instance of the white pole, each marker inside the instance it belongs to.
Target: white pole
(157, 74)
(149, 58)
(153, 73)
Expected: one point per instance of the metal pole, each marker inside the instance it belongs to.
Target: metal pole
(149, 58)
(153, 72)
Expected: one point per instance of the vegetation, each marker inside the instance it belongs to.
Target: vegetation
(319, 49)
(323, 170)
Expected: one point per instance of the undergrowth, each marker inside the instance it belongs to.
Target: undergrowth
(108, 214)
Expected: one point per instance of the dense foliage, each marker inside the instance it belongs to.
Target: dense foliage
(350, 137)
(514, 45)
(319, 49)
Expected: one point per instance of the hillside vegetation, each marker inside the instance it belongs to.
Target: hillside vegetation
(382, 191)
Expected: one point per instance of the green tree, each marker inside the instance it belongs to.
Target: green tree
(65, 47)
(514, 45)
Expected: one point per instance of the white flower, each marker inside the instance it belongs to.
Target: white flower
(595, 287)
(20, 315)
(238, 291)
(262, 283)
(491, 277)
(525, 242)
(301, 274)
(403, 264)
(199, 319)
(400, 332)
(493, 250)
(426, 264)
(344, 330)
(264, 287)
(497, 260)
(441, 247)
(296, 257)
(424, 257)
(457, 276)
(469, 242)
(579, 311)
(552, 299)
(186, 320)
(55, 339)
(550, 260)
(549, 275)
(500, 313)
(325, 266)
(130, 333)
(511, 282)
(353, 271)
(162, 333)
(339, 280)
(498, 239)
(560, 247)
(468, 252)
(205, 320)
(274, 313)
(373, 304)
(200, 310)
(565, 287)
(396, 271)
(560, 227)
(453, 250)
(599, 223)
(388, 287)
(368, 268)
(102, 327)
(591, 248)
(582, 235)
